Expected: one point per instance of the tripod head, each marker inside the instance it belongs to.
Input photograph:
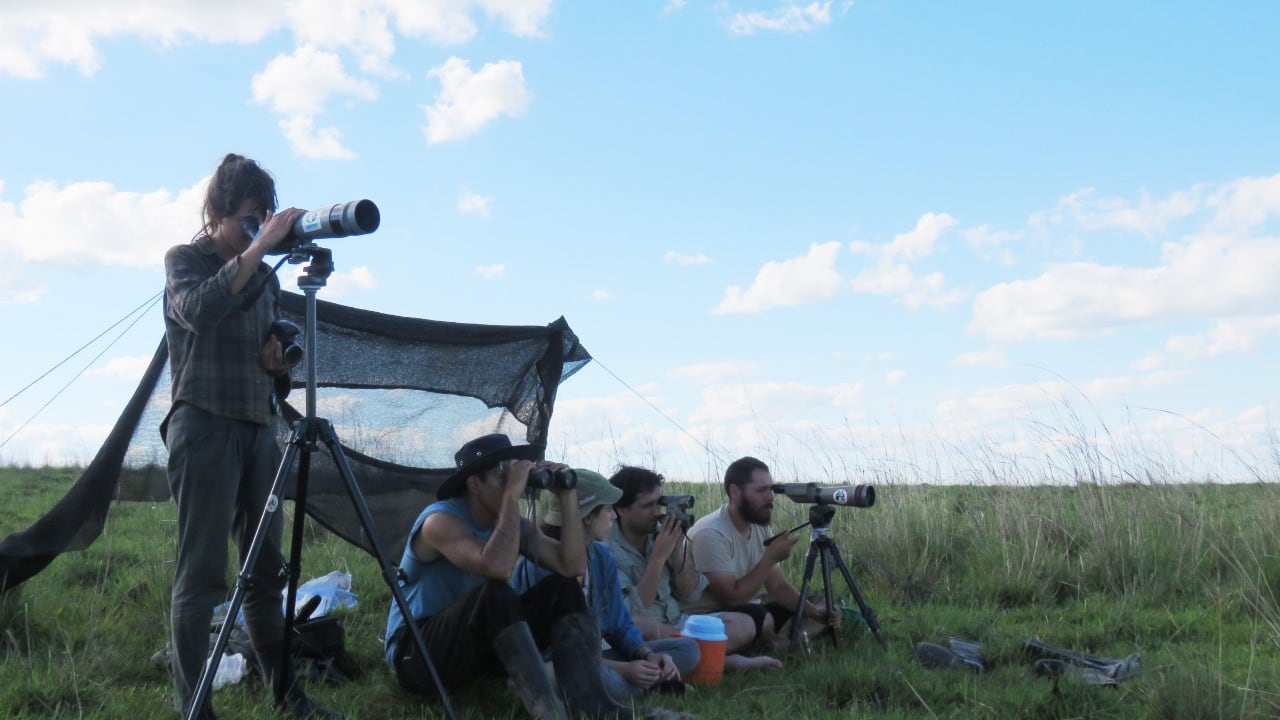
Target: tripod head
(316, 274)
(820, 520)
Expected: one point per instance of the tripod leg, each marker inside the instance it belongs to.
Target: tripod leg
(284, 673)
(243, 580)
(867, 613)
(330, 439)
(798, 619)
(825, 557)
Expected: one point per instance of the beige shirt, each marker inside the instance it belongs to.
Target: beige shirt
(719, 547)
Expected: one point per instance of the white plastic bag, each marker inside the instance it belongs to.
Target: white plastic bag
(231, 670)
(334, 591)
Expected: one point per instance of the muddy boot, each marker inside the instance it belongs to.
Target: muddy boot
(575, 651)
(523, 662)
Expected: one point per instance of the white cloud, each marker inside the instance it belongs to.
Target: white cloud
(1245, 204)
(1234, 336)
(308, 142)
(1199, 278)
(797, 281)
(22, 296)
(360, 26)
(601, 295)
(1146, 216)
(674, 258)
(773, 400)
(787, 19)
(298, 86)
(359, 277)
(981, 358)
(895, 377)
(490, 272)
(368, 28)
(1220, 269)
(34, 35)
(128, 368)
(672, 7)
(892, 275)
(919, 242)
(714, 372)
(987, 242)
(1001, 403)
(470, 203)
(470, 100)
(449, 22)
(303, 82)
(94, 223)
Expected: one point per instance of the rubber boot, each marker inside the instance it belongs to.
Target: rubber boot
(575, 651)
(523, 662)
(295, 700)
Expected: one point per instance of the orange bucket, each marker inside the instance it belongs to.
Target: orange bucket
(708, 632)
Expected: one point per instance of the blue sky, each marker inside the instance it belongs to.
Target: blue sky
(865, 241)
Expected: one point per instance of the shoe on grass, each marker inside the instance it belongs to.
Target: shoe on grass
(1056, 669)
(937, 657)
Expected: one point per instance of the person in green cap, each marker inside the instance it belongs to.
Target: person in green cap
(632, 666)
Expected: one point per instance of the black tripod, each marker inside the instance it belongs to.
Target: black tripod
(307, 431)
(822, 546)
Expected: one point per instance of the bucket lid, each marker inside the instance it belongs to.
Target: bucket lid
(704, 627)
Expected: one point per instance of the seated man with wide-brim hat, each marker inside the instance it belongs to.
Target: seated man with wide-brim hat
(456, 567)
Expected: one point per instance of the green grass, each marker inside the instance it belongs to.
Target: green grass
(1186, 574)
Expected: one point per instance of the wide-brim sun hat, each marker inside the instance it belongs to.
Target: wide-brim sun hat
(481, 454)
(593, 491)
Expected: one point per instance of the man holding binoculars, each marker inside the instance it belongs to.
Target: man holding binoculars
(457, 565)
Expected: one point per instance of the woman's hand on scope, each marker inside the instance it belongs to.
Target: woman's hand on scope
(276, 229)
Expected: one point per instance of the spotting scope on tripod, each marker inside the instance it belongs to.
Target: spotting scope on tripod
(822, 546)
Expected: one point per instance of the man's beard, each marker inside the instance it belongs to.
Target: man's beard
(755, 514)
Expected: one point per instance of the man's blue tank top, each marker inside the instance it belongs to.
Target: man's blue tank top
(430, 587)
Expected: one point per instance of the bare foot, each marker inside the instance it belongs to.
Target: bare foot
(742, 663)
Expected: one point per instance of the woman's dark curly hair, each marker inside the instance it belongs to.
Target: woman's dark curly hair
(237, 179)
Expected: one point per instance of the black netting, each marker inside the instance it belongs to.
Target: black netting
(402, 395)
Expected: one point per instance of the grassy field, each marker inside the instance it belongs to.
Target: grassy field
(1185, 574)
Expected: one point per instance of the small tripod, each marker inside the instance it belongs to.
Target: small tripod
(822, 546)
(307, 431)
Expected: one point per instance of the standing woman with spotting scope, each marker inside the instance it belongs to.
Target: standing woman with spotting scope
(228, 377)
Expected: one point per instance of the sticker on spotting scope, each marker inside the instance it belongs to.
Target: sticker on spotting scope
(273, 502)
(840, 496)
(310, 221)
